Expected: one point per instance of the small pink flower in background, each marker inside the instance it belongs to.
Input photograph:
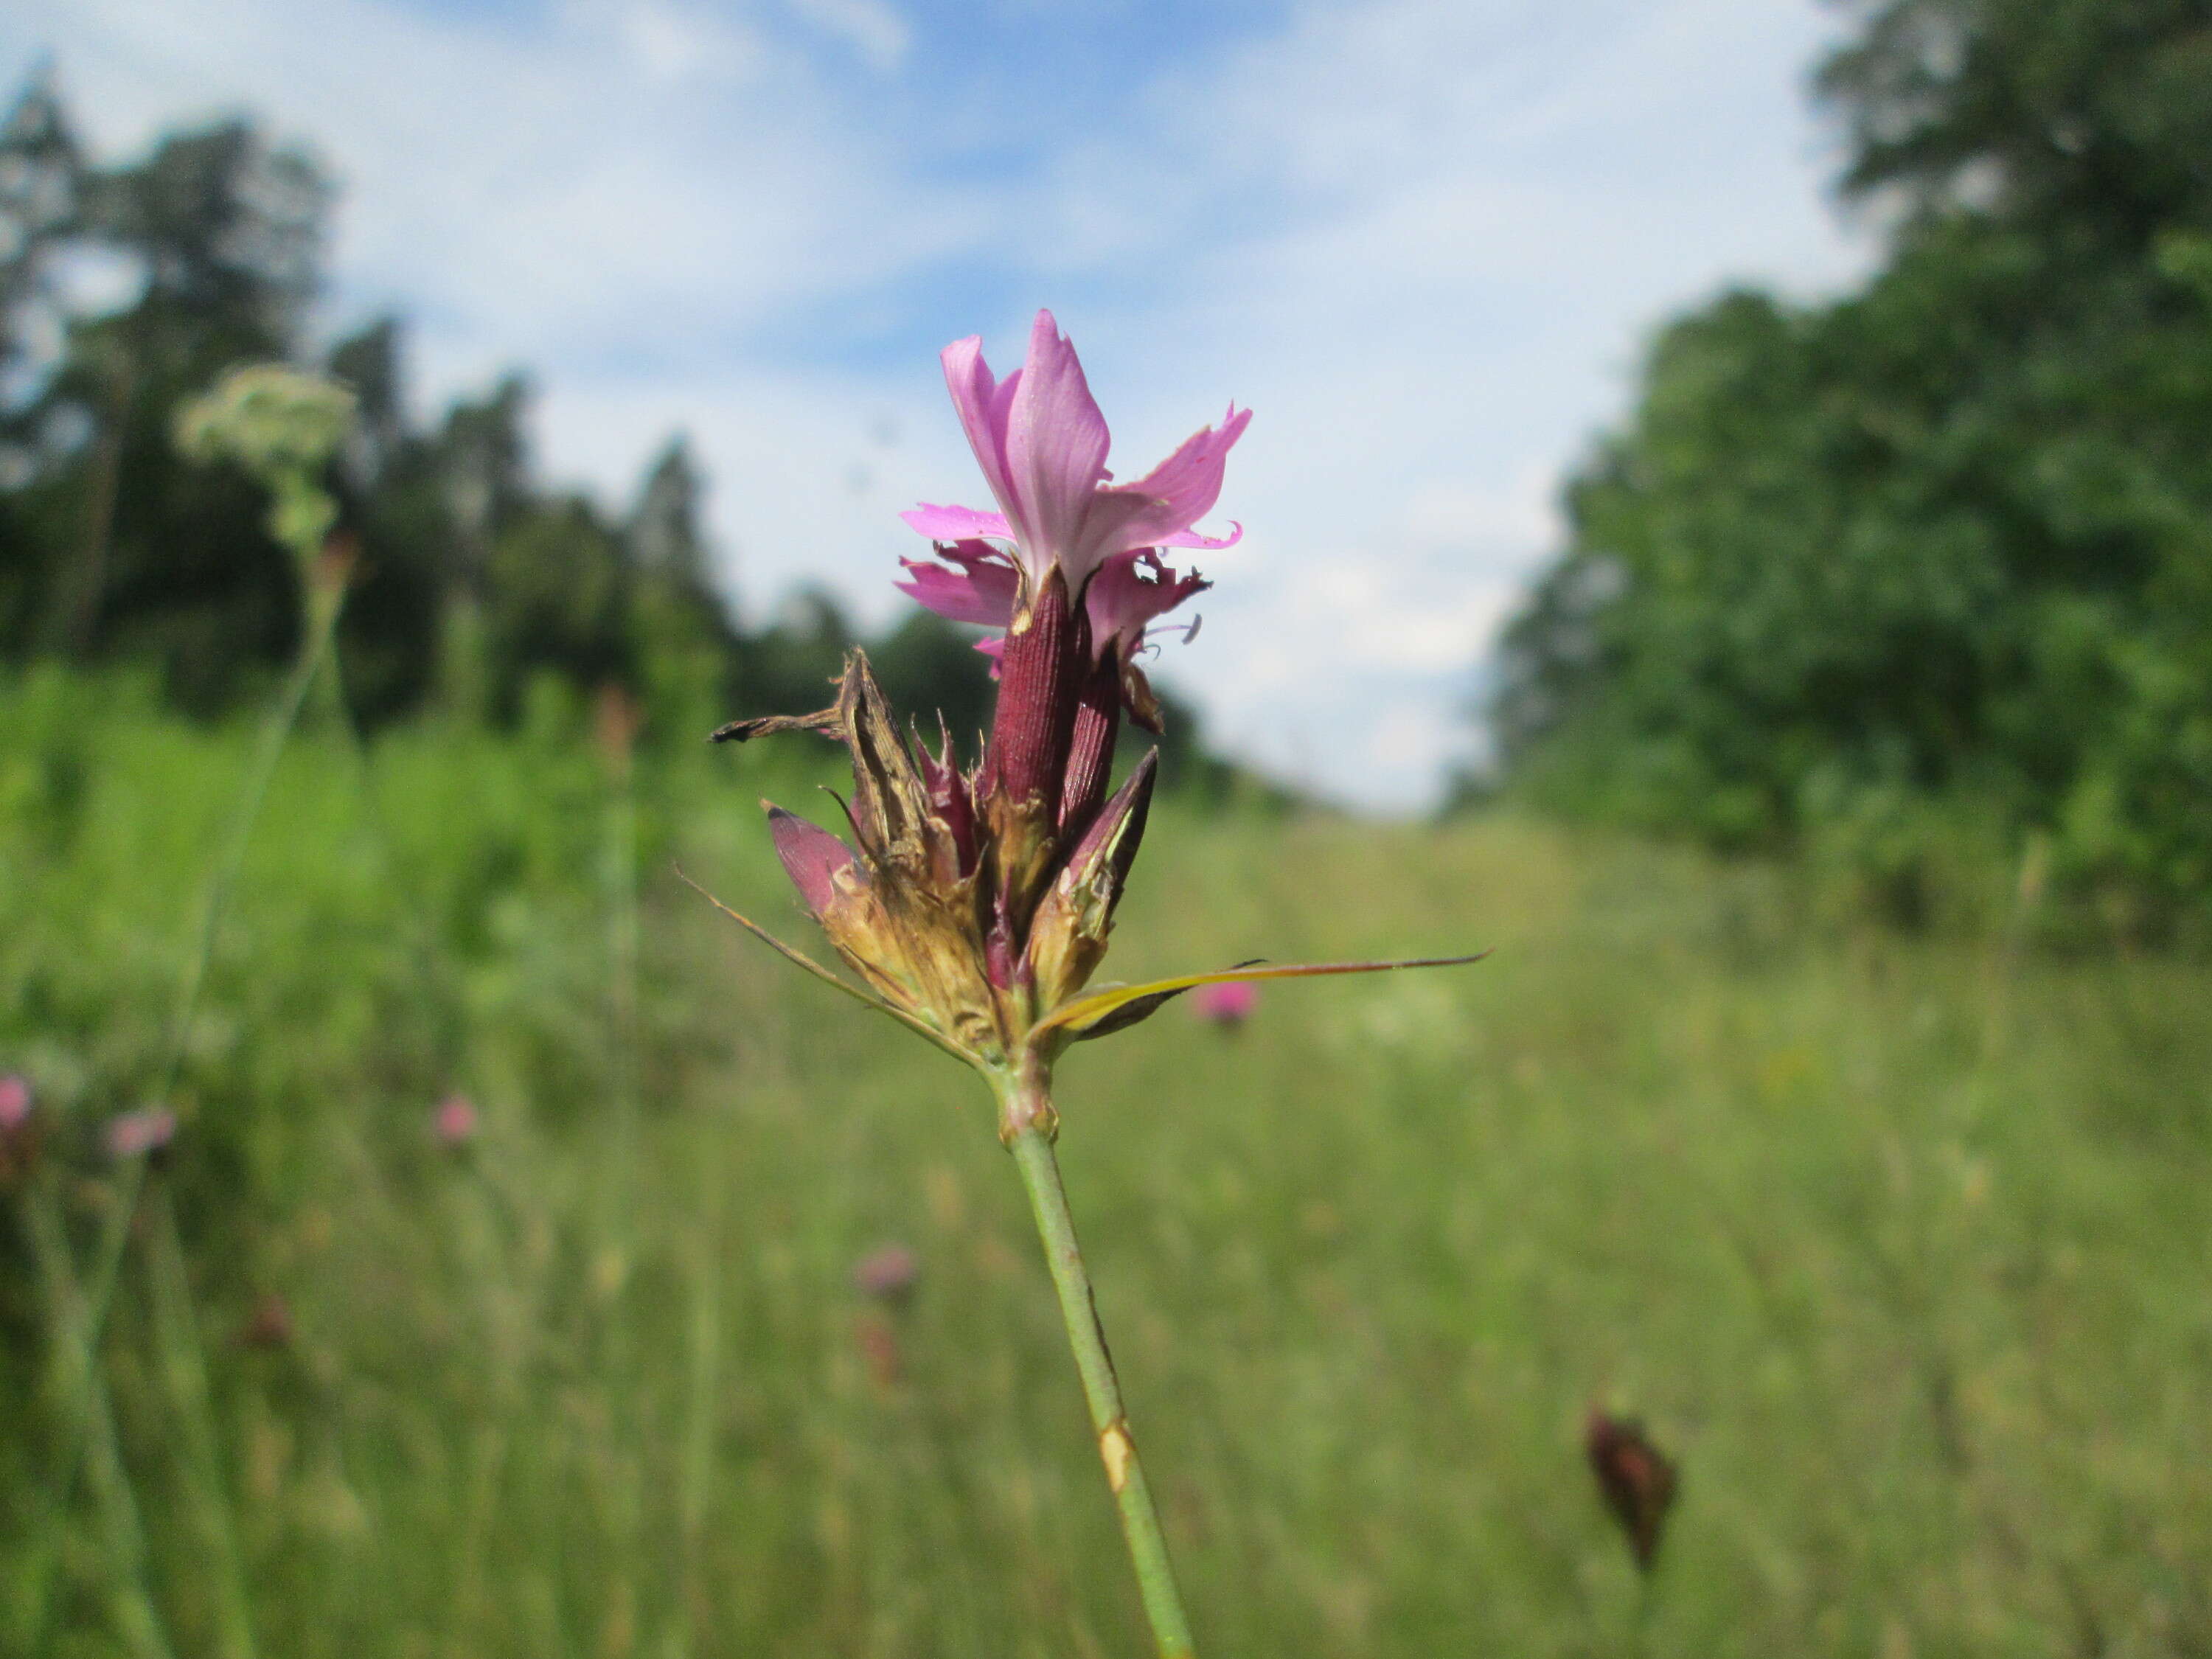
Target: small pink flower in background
(268, 1327)
(454, 1121)
(15, 1103)
(19, 1129)
(1227, 1005)
(887, 1274)
(135, 1133)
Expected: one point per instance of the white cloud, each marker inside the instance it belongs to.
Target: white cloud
(673, 46)
(871, 28)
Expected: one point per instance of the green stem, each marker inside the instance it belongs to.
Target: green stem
(125, 1538)
(80, 1337)
(1028, 1126)
(184, 1367)
(323, 617)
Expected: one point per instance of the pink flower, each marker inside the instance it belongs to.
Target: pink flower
(147, 1130)
(1042, 442)
(454, 1121)
(887, 1274)
(19, 1129)
(977, 584)
(1228, 1004)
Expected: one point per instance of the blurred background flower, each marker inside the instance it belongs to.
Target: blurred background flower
(453, 1120)
(133, 1134)
(1227, 1005)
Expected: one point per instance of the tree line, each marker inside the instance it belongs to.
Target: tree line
(1933, 560)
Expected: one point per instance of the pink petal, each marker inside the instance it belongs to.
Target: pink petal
(985, 407)
(811, 857)
(1056, 455)
(1213, 543)
(1128, 592)
(975, 398)
(953, 524)
(1182, 489)
(982, 590)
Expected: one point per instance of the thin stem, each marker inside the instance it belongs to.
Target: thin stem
(184, 1367)
(324, 607)
(81, 1383)
(1029, 1122)
(80, 1335)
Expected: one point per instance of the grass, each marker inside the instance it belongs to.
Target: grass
(1899, 1245)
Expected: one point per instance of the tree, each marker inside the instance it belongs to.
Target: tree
(1938, 550)
(41, 188)
(125, 547)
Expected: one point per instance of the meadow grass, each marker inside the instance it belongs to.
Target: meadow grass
(1899, 1245)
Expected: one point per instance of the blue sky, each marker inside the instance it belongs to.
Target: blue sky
(1424, 241)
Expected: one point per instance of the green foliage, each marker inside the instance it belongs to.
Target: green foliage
(1940, 552)
(1896, 1243)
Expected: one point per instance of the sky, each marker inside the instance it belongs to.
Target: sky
(1426, 243)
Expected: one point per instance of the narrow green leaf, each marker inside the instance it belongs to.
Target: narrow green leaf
(866, 999)
(1086, 1015)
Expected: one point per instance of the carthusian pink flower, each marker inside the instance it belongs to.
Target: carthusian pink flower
(146, 1130)
(15, 1103)
(454, 1121)
(1227, 1005)
(1069, 566)
(974, 903)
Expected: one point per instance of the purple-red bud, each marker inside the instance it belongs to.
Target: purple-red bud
(950, 801)
(811, 856)
(1091, 745)
(1634, 1477)
(1041, 673)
